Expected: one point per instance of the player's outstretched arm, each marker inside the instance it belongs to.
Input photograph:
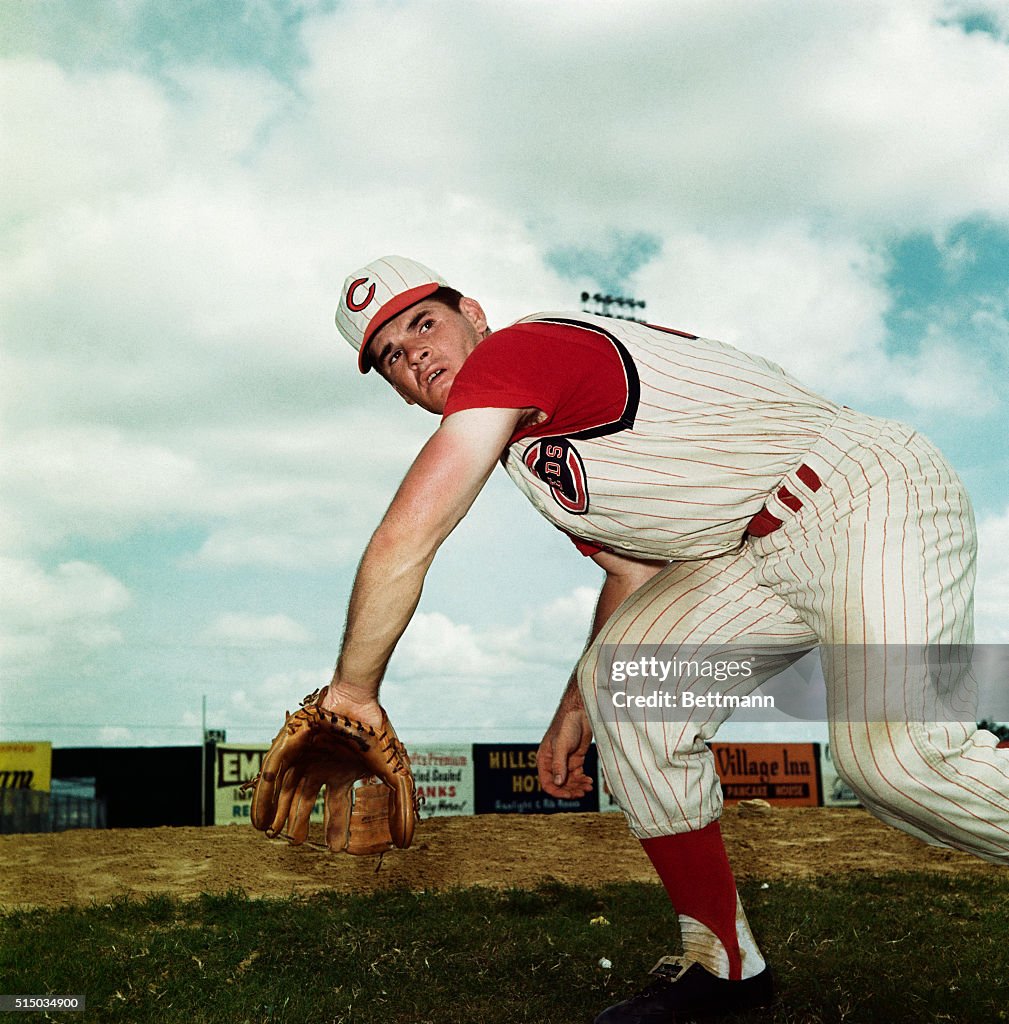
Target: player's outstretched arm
(560, 760)
(436, 493)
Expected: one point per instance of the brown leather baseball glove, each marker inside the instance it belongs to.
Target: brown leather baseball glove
(317, 748)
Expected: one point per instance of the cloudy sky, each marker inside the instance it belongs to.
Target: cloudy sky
(191, 464)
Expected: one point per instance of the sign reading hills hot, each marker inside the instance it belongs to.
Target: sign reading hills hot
(507, 781)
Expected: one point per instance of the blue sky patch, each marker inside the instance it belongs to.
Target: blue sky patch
(156, 36)
(944, 283)
(611, 265)
(978, 21)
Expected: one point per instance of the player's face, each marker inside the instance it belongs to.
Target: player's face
(420, 351)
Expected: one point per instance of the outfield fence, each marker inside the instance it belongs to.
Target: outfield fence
(29, 810)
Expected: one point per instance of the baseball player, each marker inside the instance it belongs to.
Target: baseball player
(729, 506)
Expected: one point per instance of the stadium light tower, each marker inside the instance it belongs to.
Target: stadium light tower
(605, 304)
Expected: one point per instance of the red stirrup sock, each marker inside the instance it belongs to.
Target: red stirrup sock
(695, 871)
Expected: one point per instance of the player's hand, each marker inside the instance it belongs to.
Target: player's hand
(352, 703)
(560, 760)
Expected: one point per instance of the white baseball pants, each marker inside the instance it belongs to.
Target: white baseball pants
(881, 553)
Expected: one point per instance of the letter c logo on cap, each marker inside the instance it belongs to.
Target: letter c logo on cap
(352, 303)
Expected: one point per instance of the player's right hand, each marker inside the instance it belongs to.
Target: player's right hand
(351, 703)
(560, 760)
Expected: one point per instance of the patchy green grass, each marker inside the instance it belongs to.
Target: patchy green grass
(862, 949)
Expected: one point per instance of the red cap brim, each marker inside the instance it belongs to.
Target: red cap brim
(392, 308)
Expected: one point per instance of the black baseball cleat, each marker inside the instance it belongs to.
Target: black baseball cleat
(683, 990)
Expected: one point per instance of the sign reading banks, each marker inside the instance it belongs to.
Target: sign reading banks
(444, 778)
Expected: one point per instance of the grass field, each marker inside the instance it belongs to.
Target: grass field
(859, 949)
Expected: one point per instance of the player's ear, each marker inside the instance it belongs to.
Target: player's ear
(473, 311)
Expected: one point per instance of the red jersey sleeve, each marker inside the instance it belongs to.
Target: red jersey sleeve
(586, 547)
(575, 376)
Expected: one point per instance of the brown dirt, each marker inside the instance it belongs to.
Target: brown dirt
(83, 866)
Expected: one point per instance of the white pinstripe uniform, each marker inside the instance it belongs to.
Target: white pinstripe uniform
(876, 546)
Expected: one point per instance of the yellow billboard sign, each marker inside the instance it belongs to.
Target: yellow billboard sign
(26, 766)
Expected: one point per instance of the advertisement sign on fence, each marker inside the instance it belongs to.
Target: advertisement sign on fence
(235, 764)
(502, 778)
(787, 774)
(444, 777)
(26, 766)
(507, 781)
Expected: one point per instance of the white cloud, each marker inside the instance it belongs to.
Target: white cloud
(295, 495)
(258, 708)
(69, 607)
(88, 139)
(72, 592)
(448, 677)
(235, 629)
(179, 242)
(435, 647)
(71, 138)
(547, 638)
(93, 481)
(554, 635)
(812, 303)
(816, 304)
(941, 377)
(766, 111)
(291, 549)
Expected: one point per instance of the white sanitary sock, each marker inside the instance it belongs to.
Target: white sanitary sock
(701, 944)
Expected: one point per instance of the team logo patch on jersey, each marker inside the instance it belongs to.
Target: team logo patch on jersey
(556, 461)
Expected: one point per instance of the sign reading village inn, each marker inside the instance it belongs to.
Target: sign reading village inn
(784, 773)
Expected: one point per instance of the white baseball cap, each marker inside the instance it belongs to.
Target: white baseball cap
(376, 293)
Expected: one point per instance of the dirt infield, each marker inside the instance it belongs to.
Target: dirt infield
(495, 850)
